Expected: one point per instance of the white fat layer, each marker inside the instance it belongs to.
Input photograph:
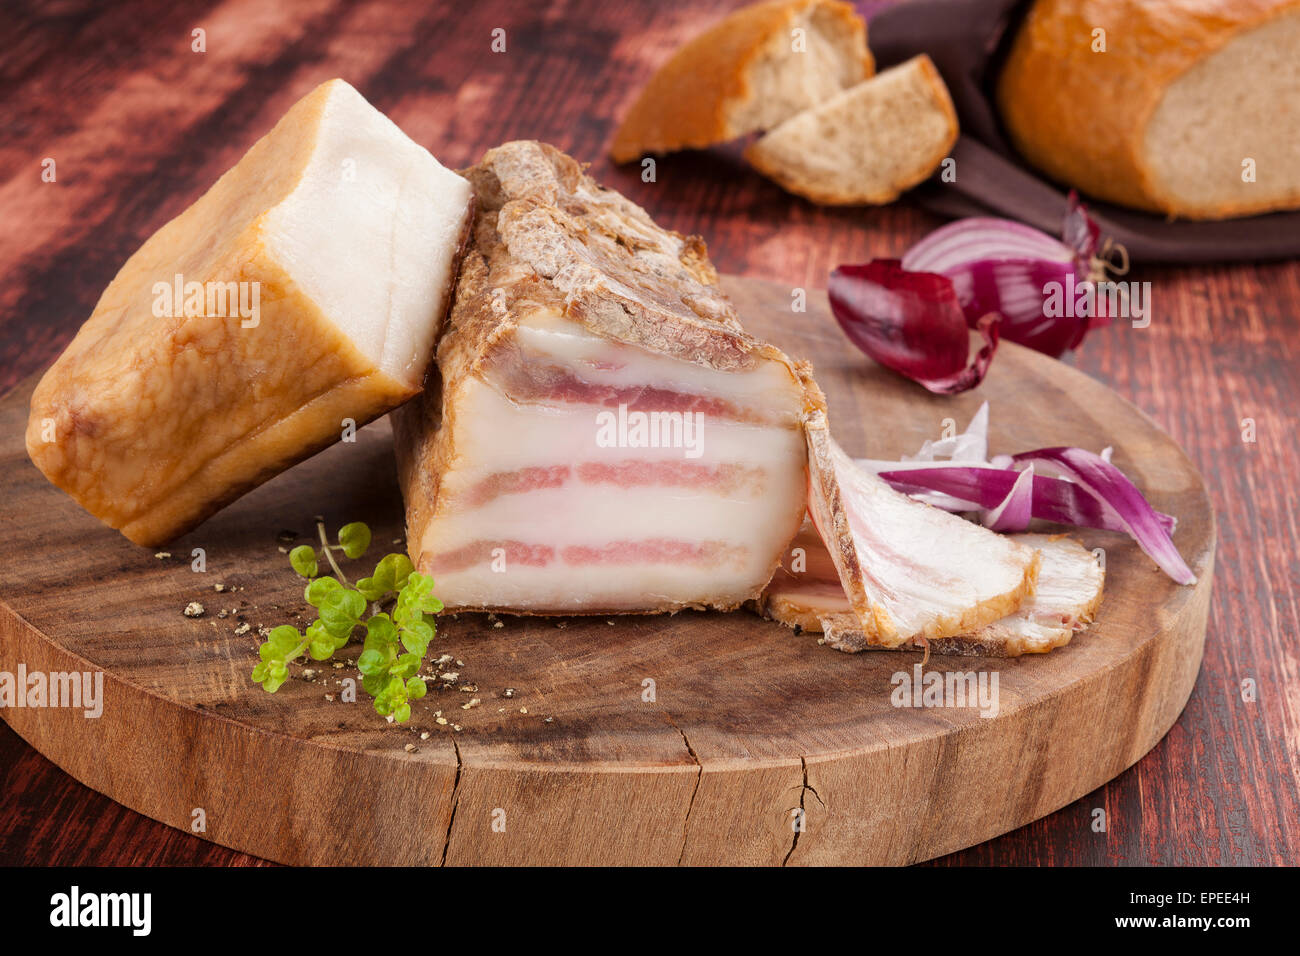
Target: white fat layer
(495, 434)
(769, 387)
(597, 514)
(371, 233)
(561, 588)
(921, 564)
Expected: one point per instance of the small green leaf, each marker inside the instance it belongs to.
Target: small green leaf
(372, 662)
(372, 684)
(416, 688)
(416, 636)
(393, 570)
(342, 608)
(272, 684)
(380, 630)
(260, 672)
(285, 639)
(320, 589)
(339, 629)
(402, 712)
(371, 590)
(354, 538)
(405, 666)
(303, 559)
(321, 650)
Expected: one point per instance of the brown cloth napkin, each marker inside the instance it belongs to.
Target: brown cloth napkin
(967, 40)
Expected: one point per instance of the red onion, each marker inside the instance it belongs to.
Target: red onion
(912, 323)
(1001, 275)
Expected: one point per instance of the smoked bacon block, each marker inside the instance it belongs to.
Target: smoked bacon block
(600, 435)
(300, 296)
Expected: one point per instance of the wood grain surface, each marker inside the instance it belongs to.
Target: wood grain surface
(139, 126)
(748, 721)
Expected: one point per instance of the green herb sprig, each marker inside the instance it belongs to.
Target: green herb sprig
(394, 605)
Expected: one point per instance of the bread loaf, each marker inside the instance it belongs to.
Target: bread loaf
(749, 72)
(1184, 107)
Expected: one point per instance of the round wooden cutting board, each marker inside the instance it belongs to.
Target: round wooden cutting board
(695, 739)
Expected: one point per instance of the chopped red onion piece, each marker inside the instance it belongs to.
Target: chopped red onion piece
(912, 323)
(1090, 491)
(979, 487)
(1013, 512)
(970, 445)
(1117, 494)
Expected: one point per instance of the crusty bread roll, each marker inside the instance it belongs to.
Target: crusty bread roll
(1186, 92)
(866, 144)
(748, 72)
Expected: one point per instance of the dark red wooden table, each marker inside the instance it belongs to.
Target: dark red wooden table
(139, 125)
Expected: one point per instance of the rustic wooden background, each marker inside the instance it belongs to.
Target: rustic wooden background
(139, 125)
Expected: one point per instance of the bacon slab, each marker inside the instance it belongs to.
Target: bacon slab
(600, 435)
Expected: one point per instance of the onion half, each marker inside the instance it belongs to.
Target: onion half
(1006, 279)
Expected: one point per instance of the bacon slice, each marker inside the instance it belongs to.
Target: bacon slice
(577, 320)
(806, 593)
(912, 573)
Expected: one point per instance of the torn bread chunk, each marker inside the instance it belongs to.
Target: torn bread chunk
(867, 144)
(300, 295)
(752, 70)
(806, 592)
(600, 435)
(912, 573)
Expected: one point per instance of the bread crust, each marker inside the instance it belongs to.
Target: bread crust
(691, 101)
(792, 179)
(1081, 117)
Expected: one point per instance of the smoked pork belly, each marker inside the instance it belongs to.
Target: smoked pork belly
(300, 296)
(911, 573)
(806, 593)
(600, 435)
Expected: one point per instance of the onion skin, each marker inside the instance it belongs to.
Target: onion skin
(911, 322)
